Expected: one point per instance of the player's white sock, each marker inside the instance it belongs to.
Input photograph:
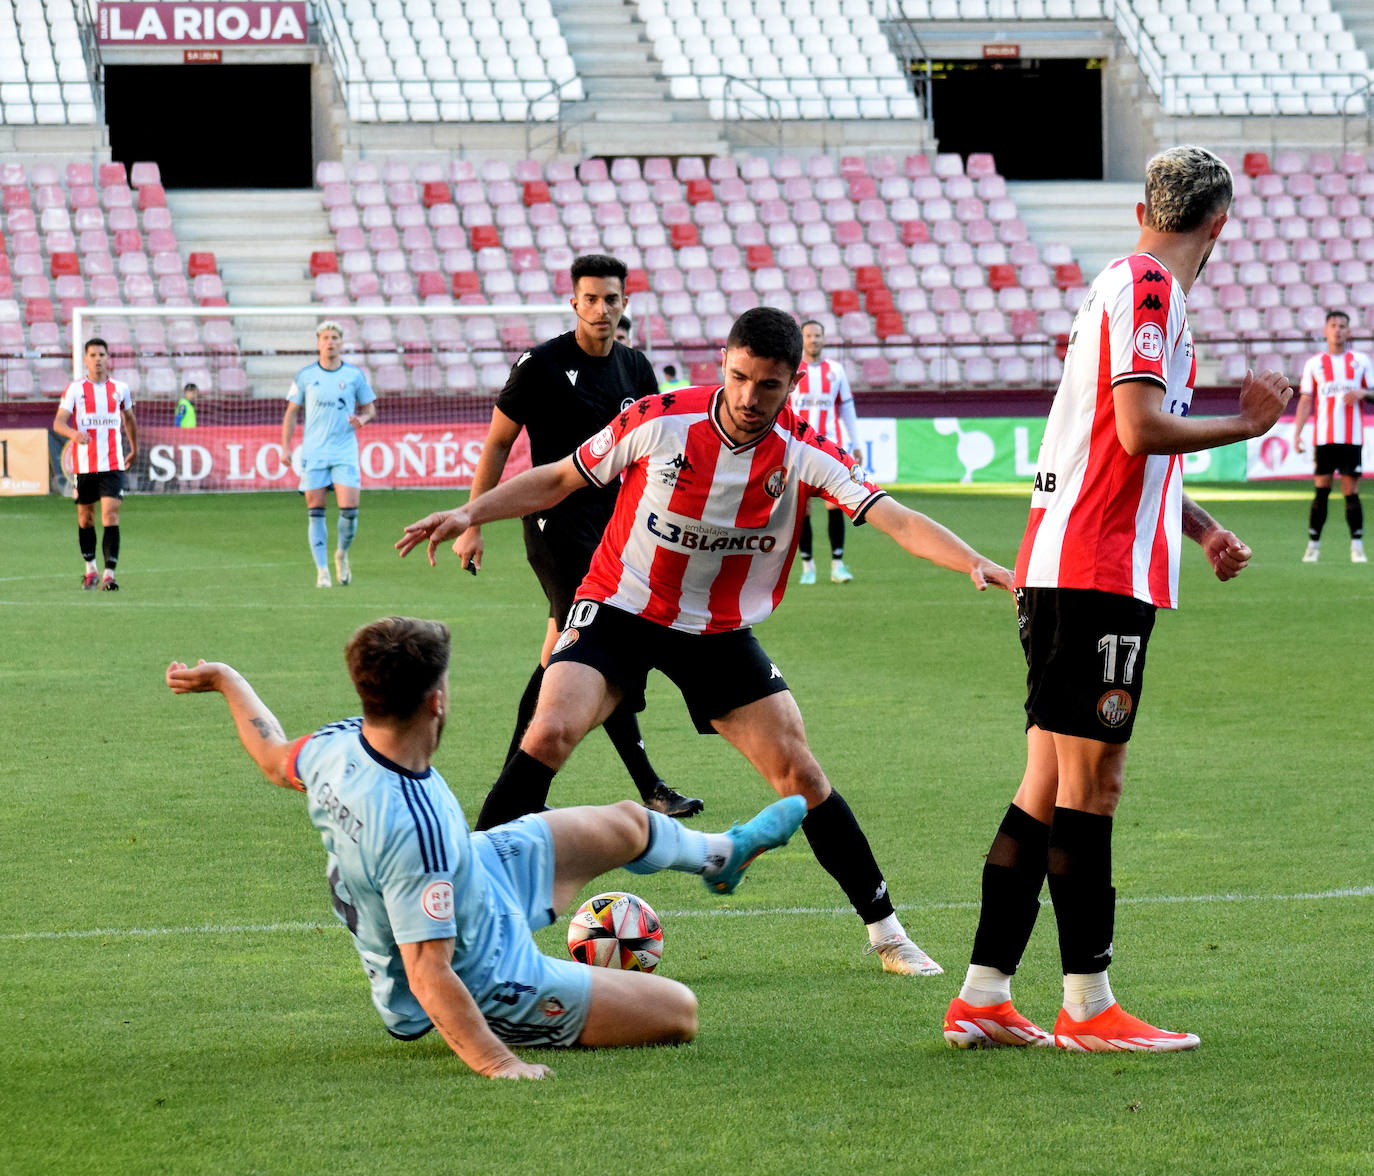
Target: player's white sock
(90, 566)
(673, 846)
(808, 565)
(884, 929)
(984, 985)
(1086, 994)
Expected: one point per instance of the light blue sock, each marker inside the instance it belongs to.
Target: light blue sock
(318, 531)
(348, 526)
(672, 846)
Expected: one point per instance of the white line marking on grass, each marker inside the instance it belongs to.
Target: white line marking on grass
(156, 571)
(753, 912)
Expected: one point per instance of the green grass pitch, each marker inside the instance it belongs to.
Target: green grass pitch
(180, 998)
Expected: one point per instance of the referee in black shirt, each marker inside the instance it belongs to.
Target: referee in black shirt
(561, 393)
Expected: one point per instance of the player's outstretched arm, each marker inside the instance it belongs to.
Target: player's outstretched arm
(259, 732)
(1224, 550)
(925, 538)
(1143, 426)
(535, 490)
(429, 968)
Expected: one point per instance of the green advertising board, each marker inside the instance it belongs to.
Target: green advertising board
(972, 450)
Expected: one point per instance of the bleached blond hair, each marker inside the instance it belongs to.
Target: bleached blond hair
(1184, 186)
(328, 325)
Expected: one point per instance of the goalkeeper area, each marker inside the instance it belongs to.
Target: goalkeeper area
(436, 371)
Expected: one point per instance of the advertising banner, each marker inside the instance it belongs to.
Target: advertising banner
(1274, 455)
(391, 456)
(247, 23)
(1004, 449)
(23, 461)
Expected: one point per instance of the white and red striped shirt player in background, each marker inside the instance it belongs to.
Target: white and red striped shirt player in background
(1337, 382)
(715, 483)
(1100, 554)
(92, 414)
(824, 400)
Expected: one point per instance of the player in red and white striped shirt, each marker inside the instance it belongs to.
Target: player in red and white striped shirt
(715, 482)
(91, 414)
(1338, 382)
(1100, 554)
(822, 398)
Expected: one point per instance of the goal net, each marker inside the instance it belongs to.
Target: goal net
(436, 371)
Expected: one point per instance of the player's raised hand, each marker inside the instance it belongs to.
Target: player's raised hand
(197, 679)
(434, 529)
(1263, 398)
(1226, 553)
(986, 574)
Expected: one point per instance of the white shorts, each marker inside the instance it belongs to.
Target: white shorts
(528, 998)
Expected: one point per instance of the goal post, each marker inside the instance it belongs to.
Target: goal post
(436, 371)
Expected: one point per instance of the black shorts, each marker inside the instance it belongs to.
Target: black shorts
(91, 488)
(1339, 459)
(716, 672)
(1085, 658)
(559, 563)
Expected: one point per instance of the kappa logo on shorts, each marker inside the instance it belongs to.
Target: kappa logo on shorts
(1114, 708)
(437, 901)
(565, 639)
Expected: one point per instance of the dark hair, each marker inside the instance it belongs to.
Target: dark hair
(191, 388)
(625, 321)
(670, 371)
(394, 663)
(814, 323)
(1330, 314)
(769, 333)
(598, 265)
(94, 341)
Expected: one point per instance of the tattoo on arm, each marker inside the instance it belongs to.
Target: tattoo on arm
(268, 729)
(1196, 521)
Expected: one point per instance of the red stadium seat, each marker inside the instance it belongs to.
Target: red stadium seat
(38, 310)
(876, 301)
(844, 301)
(886, 324)
(466, 282)
(435, 192)
(536, 192)
(430, 283)
(758, 257)
(868, 277)
(914, 233)
(1067, 276)
(704, 372)
(14, 196)
(1001, 277)
(128, 241)
(151, 196)
(63, 263)
(204, 263)
(485, 237)
(1255, 163)
(682, 236)
(862, 188)
(700, 191)
(637, 281)
(324, 261)
(111, 173)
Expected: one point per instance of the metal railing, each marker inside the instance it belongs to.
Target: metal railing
(1358, 105)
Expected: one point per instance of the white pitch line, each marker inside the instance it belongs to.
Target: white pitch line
(753, 912)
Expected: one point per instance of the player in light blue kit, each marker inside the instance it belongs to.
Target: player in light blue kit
(442, 919)
(337, 402)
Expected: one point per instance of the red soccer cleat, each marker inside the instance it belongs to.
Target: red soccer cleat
(990, 1026)
(90, 580)
(1115, 1029)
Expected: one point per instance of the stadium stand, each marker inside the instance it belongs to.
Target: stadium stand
(44, 78)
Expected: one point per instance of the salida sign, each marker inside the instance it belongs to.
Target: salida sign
(249, 23)
(391, 456)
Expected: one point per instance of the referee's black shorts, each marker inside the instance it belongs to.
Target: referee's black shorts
(716, 672)
(1085, 660)
(559, 562)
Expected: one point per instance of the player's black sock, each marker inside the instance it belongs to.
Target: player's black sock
(1012, 877)
(85, 536)
(1354, 516)
(804, 543)
(1080, 874)
(835, 524)
(109, 546)
(1316, 519)
(525, 712)
(522, 787)
(623, 729)
(841, 847)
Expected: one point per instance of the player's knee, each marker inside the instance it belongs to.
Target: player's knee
(803, 777)
(550, 739)
(680, 1013)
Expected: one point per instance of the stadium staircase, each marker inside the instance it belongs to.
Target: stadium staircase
(1088, 217)
(261, 241)
(626, 93)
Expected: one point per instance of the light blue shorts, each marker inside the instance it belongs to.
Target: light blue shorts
(528, 997)
(322, 477)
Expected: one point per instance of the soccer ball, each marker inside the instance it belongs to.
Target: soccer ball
(616, 930)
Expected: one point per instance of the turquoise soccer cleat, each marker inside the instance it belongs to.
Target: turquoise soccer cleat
(774, 826)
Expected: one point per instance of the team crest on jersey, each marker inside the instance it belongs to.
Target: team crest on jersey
(603, 442)
(1149, 341)
(437, 901)
(566, 639)
(856, 474)
(553, 1007)
(1114, 708)
(776, 482)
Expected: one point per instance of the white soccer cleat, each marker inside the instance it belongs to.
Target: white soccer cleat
(839, 574)
(1357, 554)
(1116, 1030)
(322, 579)
(1313, 552)
(341, 566)
(900, 955)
